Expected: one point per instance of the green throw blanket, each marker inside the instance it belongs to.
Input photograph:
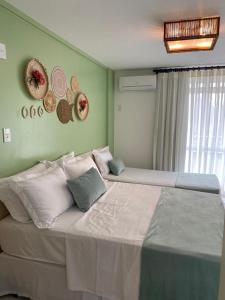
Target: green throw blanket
(182, 250)
(207, 183)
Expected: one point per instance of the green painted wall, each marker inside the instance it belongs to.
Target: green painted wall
(46, 137)
(111, 110)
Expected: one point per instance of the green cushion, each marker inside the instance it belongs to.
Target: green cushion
(86, 189)
(116, 166)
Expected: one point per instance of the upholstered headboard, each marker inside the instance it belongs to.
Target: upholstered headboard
(3, 211)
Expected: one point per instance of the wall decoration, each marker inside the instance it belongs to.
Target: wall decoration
(49, 102)
(82, 106)
(32, 112)
(74, 84)
(58, 81)
(36, 79)
(64, 111)
(70, 96)
(40, 111)
(24, 112)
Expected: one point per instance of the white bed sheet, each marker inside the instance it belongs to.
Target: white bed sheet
(28, 241)
(36, 280)
(45, 245)
(145, 176)
(103, 248)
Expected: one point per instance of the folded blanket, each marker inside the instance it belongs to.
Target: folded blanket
(181, 254)
(207, 183)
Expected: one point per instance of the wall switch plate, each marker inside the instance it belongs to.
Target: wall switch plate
(6, 135)
(3, 51)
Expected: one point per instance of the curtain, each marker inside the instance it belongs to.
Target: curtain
(170, 133)
(205, 143)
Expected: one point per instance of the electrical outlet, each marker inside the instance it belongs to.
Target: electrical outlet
(6, 135)
(3, 51)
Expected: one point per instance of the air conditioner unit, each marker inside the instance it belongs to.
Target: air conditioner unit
(137, 83)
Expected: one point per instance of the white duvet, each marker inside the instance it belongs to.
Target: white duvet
(145, 176)
(103, 248)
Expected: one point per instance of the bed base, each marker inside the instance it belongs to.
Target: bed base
(36, 280)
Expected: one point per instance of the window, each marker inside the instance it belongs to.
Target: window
(205, 144)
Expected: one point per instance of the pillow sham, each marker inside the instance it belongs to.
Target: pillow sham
(59, 162)
(102, 157)
(116, 166)
(87, 189)
(78, 167)
(3, 211)
(45, 197)
(11, 200)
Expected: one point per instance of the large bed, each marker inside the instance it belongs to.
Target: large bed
(137, 242)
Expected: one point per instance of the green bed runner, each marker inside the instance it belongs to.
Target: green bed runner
(182, 250)
(207, 183)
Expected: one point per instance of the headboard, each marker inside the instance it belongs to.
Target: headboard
(3, 211)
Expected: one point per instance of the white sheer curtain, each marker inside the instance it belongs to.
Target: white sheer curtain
(205, 144)
(170, 132)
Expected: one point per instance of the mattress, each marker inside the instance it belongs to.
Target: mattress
(44, 245)
(28, 241)
(145, 176)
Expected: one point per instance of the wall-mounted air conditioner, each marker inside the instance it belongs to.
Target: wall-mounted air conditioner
(137, 83)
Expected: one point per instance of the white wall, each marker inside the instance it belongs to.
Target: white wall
(134, 123)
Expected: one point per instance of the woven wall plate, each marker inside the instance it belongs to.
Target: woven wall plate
(74, 84)
(82, 110)
(37, 91)
(58, 81)
(70, 96)
(49, 102)
(64, 111)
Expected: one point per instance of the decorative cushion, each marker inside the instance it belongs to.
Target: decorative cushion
(86, 189)
(78, 166)
(45, 197)
(11, 199)
(116, 166)
(102, 157)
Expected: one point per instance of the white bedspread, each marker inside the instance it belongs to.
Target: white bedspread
(145, 176)
(103, 248)
(28, 241)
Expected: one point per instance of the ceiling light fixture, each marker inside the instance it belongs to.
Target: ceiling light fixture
(191, 35)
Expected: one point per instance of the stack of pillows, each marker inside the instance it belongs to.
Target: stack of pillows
(45, 191)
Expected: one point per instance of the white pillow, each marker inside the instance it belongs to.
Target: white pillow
(79, 166)
(102, 157)
(11, 199)
(84, 155)
(59, 162)
(45, 197)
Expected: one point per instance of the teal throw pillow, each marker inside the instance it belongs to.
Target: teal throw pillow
(86, 189)
(116, 166)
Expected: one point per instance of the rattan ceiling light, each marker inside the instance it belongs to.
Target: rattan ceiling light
(191, 35)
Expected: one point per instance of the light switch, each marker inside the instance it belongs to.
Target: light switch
(6, 135)
(3, 51)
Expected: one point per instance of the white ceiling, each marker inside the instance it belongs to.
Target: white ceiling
(126, 34)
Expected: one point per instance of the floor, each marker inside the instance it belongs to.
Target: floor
(12, 298)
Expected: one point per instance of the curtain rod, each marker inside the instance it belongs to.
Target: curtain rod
(182, 69)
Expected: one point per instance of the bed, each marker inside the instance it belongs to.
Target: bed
(208, 183)
(125, 247)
